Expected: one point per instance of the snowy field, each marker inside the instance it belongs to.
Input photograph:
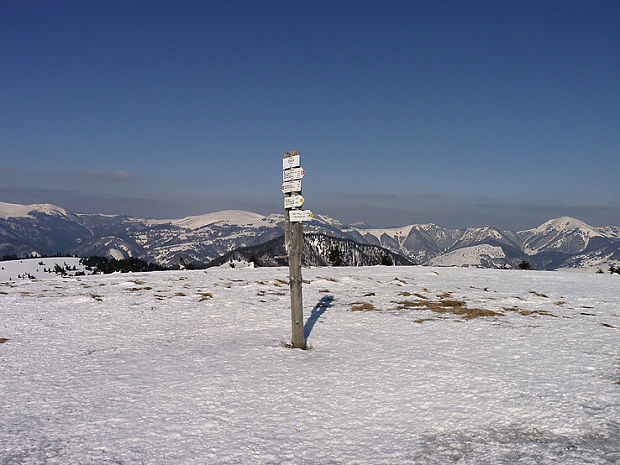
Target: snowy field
(407, 365)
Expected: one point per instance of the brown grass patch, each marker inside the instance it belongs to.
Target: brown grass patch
(607, 325)
(204, 296)
(4, 293)
(137, 282)
(262, 283)
(420, 296)
(586, 306)
(369, 294)
(422, 320)
(180, 294)
(539, 294)
(362, 306)
(329, 279)
(405, 293)
(25, 293)
(97, 297)
(560, 302)
(455, 307)
(134, 289)
(281, 281)
(444, 295)
(261, 293)
(3, 340)
(533, 313)
(324, 290)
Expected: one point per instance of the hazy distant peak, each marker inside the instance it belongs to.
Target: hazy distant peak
(567, 223)
(14, 210)
(232, 217)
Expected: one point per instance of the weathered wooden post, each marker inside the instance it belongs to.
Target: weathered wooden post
(294, 239)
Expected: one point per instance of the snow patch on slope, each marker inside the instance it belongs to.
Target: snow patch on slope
(14, 210)
(230, 217)
(468, 256)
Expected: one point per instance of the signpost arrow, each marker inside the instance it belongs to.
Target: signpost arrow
(293, 173)
(294, 201)
(301, 215)
(291, 186)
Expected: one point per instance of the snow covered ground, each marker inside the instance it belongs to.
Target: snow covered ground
(413, 365)
(40, 268)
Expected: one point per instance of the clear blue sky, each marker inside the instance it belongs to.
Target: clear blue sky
(459, 113)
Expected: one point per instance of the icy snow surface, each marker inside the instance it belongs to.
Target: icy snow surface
(190, 367)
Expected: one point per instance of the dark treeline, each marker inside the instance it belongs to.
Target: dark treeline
(110, 265)
(6, 258)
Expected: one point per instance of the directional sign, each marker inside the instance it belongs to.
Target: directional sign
(292, 174)
(294, 201)
(291, 186)
(300, 215)
(291, 162)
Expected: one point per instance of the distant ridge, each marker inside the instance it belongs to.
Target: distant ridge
(47, 229)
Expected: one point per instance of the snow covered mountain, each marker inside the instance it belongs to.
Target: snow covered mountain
(47, 229)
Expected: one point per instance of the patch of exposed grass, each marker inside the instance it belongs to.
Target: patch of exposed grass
(261, 293)
(4, 293)
(134, 289)
(455, 307)
(324, 290)
(362, 306)
(422, 320)
(25, 293)
(533, 313)
(97, 297)
(444, 295)
(328, 279)
(560, 302)
(3, 340)
(539, 294)
(405, 293)
(369, 294)
(420, 296)
(204, 296)
(180, 294)
(607, 325)
(137, 282)
(281, 281)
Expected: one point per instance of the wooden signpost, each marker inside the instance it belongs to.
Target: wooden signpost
(294, 239)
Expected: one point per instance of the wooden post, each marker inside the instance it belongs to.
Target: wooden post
(293, 242)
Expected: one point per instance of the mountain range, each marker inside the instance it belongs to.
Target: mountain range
(46, 229)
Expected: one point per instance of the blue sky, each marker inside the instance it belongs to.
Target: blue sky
(458, 113)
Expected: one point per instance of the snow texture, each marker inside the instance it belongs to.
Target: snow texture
(190, 367)
(14, 210)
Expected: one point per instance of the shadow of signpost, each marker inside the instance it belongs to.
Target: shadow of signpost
(317, 311)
